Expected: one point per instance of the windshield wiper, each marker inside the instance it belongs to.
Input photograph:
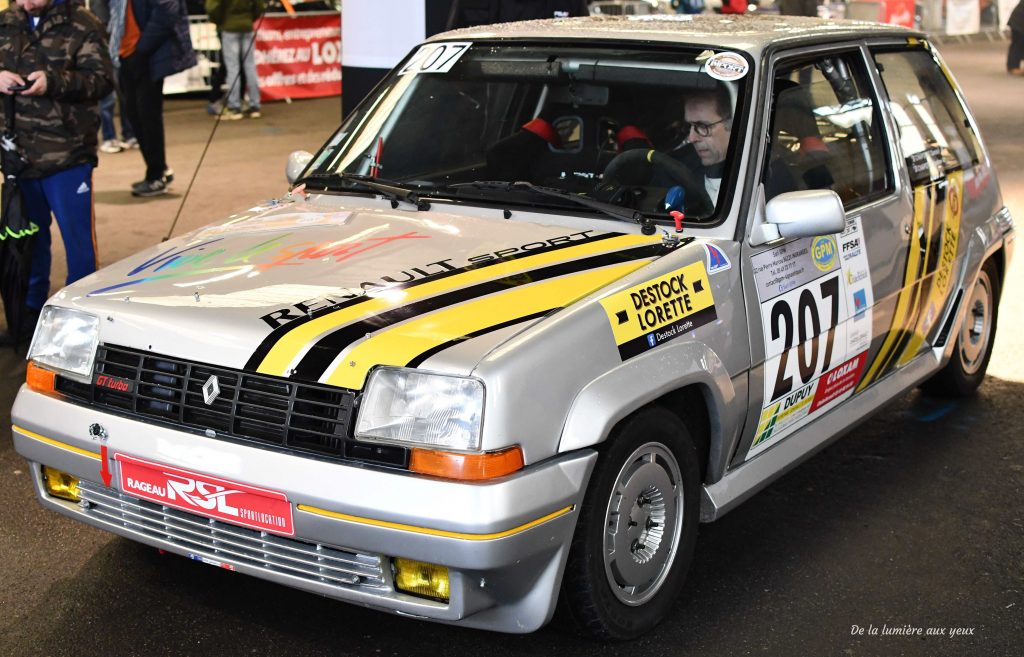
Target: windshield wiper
(647, 226)
(389, 189)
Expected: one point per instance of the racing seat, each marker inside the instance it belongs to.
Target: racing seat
(798, 158)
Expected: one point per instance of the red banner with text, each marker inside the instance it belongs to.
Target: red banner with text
(299, 57)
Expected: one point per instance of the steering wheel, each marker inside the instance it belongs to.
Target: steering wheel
(637, 167)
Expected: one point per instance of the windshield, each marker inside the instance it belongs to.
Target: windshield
(648, 130)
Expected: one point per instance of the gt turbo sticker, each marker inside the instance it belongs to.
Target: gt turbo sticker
(436, 57)
(816, 301)
(659, 310)
(211, 497)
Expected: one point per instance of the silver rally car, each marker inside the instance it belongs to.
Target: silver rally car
(554, 294)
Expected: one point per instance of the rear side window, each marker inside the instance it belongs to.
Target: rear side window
(935, 134)
(826, 130)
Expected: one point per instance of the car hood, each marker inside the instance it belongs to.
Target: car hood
(308, 290)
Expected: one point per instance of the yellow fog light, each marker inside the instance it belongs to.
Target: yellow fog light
(424, 579)
(60, 484)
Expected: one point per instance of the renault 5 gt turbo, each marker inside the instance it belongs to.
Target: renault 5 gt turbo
(554, 294)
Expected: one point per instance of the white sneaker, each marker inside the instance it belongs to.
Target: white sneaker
(111, 146)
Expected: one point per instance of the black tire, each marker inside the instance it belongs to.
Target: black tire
(614, 598)
(973, 349)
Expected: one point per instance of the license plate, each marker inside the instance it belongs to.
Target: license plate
(212, 497)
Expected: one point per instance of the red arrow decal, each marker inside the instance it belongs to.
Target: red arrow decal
(105, 469)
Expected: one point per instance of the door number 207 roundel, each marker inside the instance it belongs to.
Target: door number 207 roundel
(816, 297)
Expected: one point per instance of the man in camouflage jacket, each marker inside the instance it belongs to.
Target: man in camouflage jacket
(56, 52)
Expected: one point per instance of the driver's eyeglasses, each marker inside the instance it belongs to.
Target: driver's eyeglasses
(702, 129)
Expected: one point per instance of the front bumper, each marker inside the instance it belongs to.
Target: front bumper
(505, 542)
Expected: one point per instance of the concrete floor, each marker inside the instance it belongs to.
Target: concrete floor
(915, 518)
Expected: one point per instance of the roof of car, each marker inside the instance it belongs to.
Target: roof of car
(747, 32)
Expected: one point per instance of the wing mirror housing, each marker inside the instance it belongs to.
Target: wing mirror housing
(297, 163)
(806, 213)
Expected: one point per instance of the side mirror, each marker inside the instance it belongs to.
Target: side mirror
(807, 213)
(297, 163)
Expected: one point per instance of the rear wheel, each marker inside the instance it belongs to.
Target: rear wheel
(966, 368)
(637, 528)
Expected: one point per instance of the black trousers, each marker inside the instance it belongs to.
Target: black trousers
(144, 101)
(1015, 54)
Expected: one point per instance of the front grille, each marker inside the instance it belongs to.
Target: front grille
(221, 541)
(267, 410)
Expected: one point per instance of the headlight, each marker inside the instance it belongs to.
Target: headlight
(421, 409)
(65, 340)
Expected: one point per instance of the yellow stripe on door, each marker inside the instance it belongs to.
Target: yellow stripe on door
(400, 344)
(285, 351)
(938, 294)
(922, 200)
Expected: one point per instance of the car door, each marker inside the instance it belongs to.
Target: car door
(819, 304)
(941, 154)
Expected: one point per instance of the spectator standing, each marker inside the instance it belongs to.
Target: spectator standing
(111, 144)
(215, 100)
(1015, 55)
(151, 39)
(234, 20)
(58, 49)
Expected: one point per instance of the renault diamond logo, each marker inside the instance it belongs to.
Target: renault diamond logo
(211, 389)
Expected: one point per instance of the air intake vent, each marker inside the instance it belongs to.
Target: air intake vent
(266, 410)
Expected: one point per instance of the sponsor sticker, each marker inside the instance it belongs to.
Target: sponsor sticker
(726, 66)
(823, 250)
(212, 562)
(661, 309)
(717, 260)
(860, 301)
(836, 383)
(211, 497)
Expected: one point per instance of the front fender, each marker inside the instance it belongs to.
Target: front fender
(639, 381)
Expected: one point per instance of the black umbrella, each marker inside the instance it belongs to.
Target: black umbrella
(16, 230)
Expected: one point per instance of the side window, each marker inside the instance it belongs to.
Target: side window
(935, 135)
(826, 131)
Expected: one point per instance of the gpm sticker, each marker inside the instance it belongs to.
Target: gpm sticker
(659, 310)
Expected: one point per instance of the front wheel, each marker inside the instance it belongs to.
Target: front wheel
(637, 528)
(966, 368)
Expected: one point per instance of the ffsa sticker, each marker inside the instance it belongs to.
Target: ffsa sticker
(661, 309)
(436, 57)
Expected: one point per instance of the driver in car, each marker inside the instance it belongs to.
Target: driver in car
(709, 117)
